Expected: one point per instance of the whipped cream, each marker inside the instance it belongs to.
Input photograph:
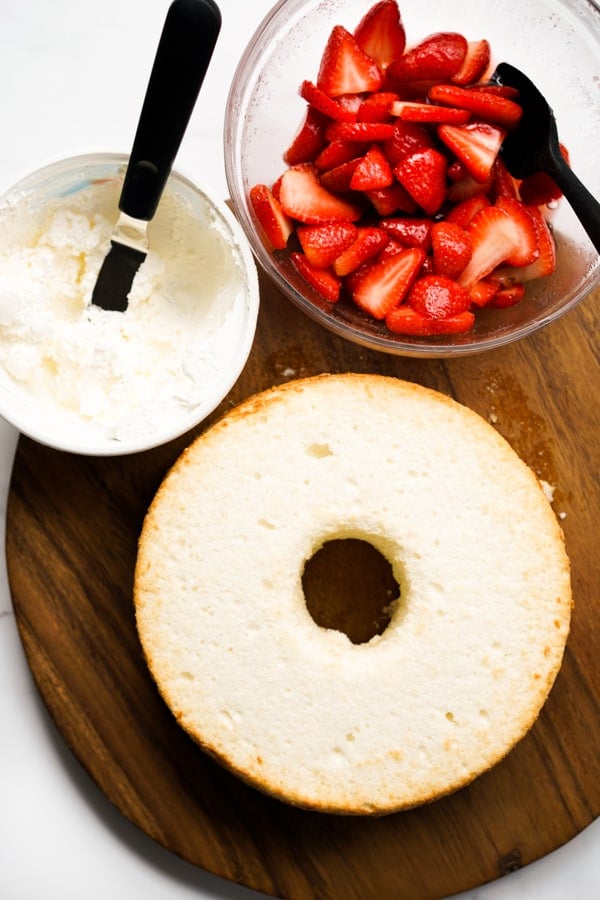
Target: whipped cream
(122, 374)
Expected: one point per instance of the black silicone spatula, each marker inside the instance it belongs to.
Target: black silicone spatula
(184, 52)
(533, 147)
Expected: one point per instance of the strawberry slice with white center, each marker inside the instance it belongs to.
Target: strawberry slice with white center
(545, 263)
(475, 63)
(303, 197)
(495, 238)
(385, 283)
(423, 174)
(527, 241)
(380, 33)
(276, 225)
(476, 144)
(345, 68)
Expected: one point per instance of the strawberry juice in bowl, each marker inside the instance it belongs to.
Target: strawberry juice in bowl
(300, 59)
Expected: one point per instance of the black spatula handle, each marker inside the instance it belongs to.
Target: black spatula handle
(184, 52)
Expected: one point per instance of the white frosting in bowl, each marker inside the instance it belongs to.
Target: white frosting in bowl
(80, 377)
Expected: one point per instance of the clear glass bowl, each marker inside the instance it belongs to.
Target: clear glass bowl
(555, 42)
(166, 378)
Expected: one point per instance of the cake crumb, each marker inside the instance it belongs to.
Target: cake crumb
(548, 489)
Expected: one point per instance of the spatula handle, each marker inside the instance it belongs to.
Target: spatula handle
(584, 204)
(184, 52)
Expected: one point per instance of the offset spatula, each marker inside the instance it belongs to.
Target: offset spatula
(184, 51)
(533, 146)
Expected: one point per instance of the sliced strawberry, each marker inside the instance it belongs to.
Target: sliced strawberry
(351, 102)
(475, 63)
(495, 238)
(339, 178)
(392, 248)
(476, 144)
(304, 198)
(405, 320)
(369, 242)
(380, 33)
(337, 152)
(451, 248)
(436, 57)
(385, 283)
(438, 297)
(376, 107)
(412, 232)
(457, 171)
(406, 138)
(345, 68)
(423, 174)
(326, 104)
(310, 139)
(466, 187)
(412, 111)
(482, 292)
(508, 296)
(392, 199)
(276, 187)
(324, 281)
(372, 172)
(503, 184)
(539, 189)
(545, 264)
(322, 244)
(464, 211)
(276, 225)
(490, 107)
(499, 90)
(360, 131)
(527, 249)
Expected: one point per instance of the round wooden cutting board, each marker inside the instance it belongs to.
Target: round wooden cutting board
(72, 528)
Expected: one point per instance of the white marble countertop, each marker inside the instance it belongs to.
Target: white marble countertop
(73, 74)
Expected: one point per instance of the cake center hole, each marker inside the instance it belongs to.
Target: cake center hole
(349, 586)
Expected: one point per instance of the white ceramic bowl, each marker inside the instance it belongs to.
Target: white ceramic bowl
(555, 42)
(62, 382)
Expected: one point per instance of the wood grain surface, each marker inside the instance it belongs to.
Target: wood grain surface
(72, 528)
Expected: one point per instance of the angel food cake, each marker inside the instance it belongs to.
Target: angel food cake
(476, 636)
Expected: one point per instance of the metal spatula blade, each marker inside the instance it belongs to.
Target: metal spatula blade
(184, 51)
(128, 249)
